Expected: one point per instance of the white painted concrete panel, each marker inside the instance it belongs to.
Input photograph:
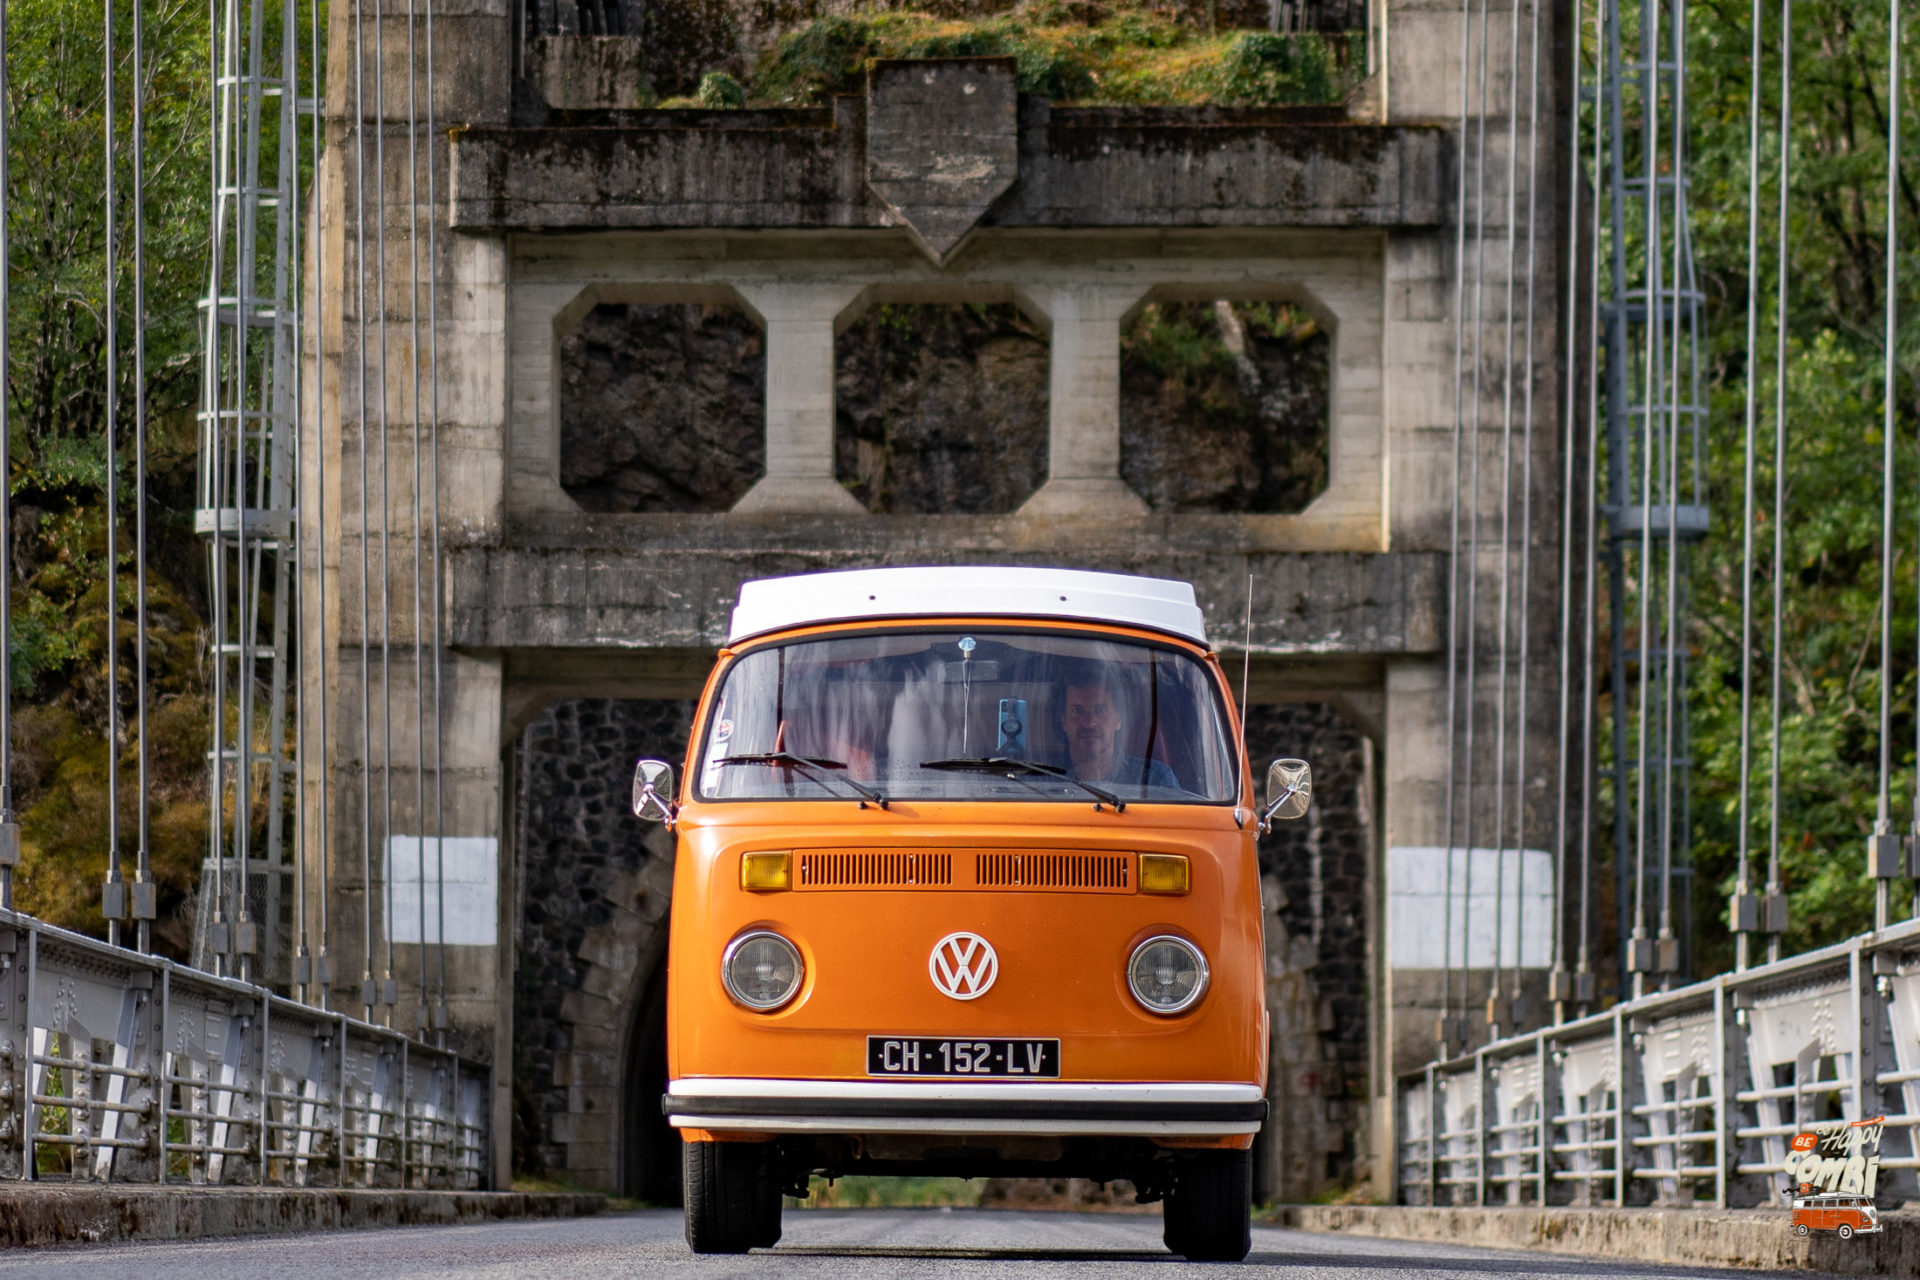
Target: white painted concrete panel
(1419, 922)
(471, 877)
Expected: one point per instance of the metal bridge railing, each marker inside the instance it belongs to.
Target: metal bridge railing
(1686, 1097)
(118, 1066)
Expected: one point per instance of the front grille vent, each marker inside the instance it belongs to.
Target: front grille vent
(1111, 872)
(876, 869)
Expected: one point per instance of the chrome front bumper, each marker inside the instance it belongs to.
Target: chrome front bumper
(965, 1107)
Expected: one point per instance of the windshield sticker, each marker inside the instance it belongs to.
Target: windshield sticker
(723, 731)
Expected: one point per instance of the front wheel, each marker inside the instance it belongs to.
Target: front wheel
(1209, 1208)
(732, 1196)
(1846, 1232)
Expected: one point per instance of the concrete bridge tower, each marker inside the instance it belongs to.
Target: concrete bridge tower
(682, 348)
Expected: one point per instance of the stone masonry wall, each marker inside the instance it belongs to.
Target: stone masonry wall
(578, 843)
(1315, 877)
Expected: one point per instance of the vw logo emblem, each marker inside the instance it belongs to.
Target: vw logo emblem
(963, 966)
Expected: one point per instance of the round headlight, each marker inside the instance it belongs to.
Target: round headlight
(1167, 974)
(761, 970)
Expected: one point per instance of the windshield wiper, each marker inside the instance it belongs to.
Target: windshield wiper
(814, 767)
(996, 764)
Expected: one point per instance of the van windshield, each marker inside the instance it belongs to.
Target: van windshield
(968, 715)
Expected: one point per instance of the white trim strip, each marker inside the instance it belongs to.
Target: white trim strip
(695, 1088)
(909, 1124)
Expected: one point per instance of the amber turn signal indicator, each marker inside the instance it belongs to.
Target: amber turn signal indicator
(767, 871)
(1162, 873)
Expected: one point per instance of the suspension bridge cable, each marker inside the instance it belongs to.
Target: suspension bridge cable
(1495, 1015)
(1743, 880)
(433, 342)
(210, 403)
(143, 893)
(9, 828)
(388, 995)
(1883, 823)
(1779, 464)
(322, 973)
(367, 989)
(1506, 537)
(246, 179)
(113, 897)
(1589, 702)
(1667, 960)
(1894, 108)
(419, 534)
(1526, 511)
(1453, 536)
(1473, 492)
(293, 295)
(1650, 110)
(213, 400)
(1566, 517)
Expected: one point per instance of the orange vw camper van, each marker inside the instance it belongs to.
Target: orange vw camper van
(966, 886)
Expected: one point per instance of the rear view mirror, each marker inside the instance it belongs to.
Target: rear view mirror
(1289, 790)
(653, 791)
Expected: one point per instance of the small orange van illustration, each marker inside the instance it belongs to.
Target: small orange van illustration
(1844, 1215)
(966, 885)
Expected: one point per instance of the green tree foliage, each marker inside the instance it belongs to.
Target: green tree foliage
(56, 386)
(1835, 271)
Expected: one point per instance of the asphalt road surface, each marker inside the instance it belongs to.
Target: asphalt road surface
(955, 1244)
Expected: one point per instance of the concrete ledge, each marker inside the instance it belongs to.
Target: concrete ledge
(43, 1214)
(1756, 1238)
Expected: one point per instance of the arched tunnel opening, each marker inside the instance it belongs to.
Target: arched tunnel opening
(650, 1147)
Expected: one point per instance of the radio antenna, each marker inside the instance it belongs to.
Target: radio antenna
(1246, 663)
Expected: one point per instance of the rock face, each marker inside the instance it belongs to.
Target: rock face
(662, 408)
(1224, 407)
(942, 409)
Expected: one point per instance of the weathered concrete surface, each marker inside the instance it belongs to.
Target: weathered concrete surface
(1757, 1238)
(601, 593)
(45, 1214)
(1078, 167)
(943, 143)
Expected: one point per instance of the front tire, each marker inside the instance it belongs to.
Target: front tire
(733, 1196)
(1209, 1209)
(1846, 1232)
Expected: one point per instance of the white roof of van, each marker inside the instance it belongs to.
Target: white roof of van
(991, 591)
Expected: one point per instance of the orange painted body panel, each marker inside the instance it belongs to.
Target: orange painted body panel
(1062, 953)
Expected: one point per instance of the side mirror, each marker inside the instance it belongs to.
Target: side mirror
(1289, 791)
(653, 791)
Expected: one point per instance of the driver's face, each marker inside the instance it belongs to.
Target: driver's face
(1091, 721)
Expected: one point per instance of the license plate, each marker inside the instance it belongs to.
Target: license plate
(954, 1056)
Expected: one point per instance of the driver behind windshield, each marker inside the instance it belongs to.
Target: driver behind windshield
(1091, 720)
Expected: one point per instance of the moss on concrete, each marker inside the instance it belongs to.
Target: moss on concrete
(1128, 56)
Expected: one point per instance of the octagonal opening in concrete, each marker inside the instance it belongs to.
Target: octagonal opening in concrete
(941, 408)
(662, 406)
(1225, 405)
